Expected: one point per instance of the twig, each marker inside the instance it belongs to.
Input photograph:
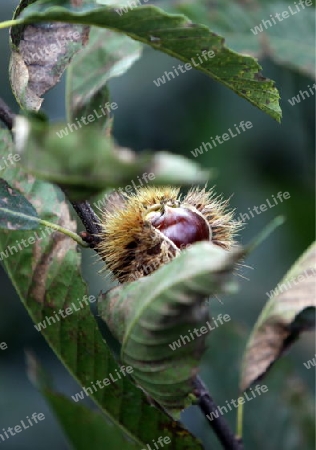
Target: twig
(90, 221)
(218, 424)
(6, 115)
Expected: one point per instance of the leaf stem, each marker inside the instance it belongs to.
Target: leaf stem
(240, 413)
(268, 229)
(69, 233)
(10, 23)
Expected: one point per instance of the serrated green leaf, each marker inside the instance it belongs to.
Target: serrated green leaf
(176, 36)
(149, 315)
(107, 55)
(290, 310)
(288, 41)
(47, 278)
(40, 54)
(16, 213)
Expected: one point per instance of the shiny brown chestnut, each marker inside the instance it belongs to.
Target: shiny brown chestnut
(183, 226)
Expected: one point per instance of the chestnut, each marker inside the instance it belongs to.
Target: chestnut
(183, 226)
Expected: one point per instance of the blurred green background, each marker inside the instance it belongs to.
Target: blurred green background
(268, 158)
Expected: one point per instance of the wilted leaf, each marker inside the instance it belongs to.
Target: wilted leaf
(290, 310)
(149, 315)
(288, 399)
(82, 162)
(107, 55)
(176, 36)
(85, 162)
(16, 213)
(40, 54)
(176, 169)
(47, 278)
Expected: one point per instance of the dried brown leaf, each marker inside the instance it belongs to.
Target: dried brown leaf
(290, 310)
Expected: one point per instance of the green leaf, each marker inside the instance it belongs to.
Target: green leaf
(83, 427)
(281, 41)
(56, 154)
(290, 310)
(107, 55)
(176, 36)
(149, 315)
(47, 278)
(16, 213)
(40, 54)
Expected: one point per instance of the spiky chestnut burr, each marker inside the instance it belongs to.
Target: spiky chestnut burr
(142, 231)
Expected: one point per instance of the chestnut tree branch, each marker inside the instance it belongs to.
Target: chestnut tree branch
(92, 225)
(218, 424)
(90, 221)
